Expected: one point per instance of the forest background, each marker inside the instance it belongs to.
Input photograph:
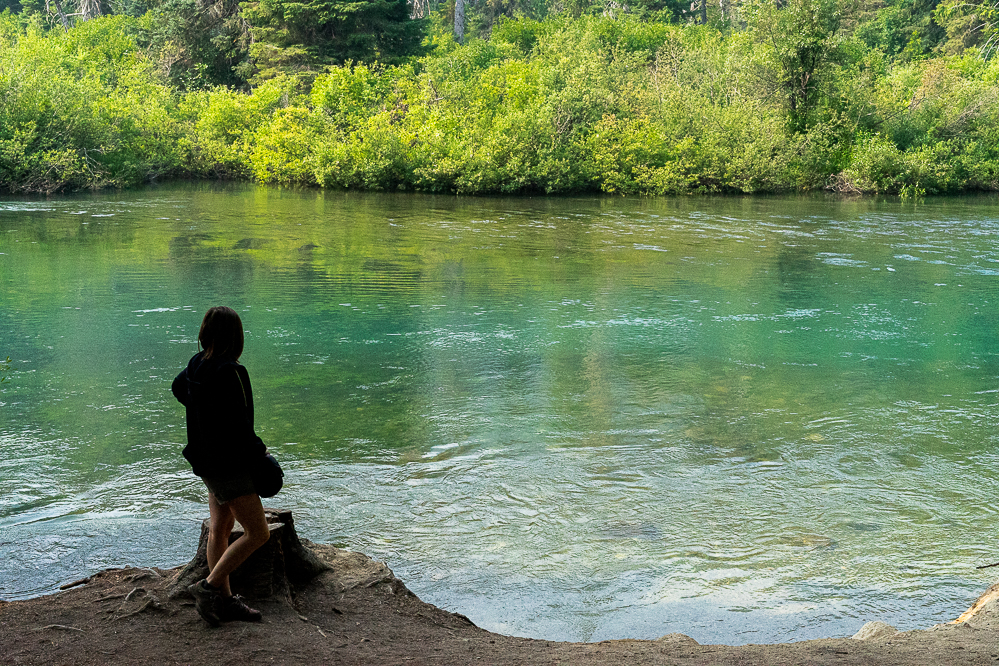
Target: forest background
(485, 96)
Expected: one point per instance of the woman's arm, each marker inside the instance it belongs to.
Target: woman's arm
(241, 414)
(179, 387)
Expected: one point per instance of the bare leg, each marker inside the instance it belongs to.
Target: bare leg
(250, 513)
(219, 528)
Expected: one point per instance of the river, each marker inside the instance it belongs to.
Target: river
(745, 419)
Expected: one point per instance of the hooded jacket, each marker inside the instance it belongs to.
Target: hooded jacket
(219, 402)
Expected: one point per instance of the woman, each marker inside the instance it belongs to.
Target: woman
(221, 447)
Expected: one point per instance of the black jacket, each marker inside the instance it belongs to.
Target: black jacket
(219, 402)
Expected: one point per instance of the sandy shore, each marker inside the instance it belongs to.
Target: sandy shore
(358, 612)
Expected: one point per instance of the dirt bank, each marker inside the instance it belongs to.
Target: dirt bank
(359, 613)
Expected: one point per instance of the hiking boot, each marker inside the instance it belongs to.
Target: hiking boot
(235, 609)
(209, 602)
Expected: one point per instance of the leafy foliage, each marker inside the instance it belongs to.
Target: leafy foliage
(301, 37)
(82, 110)
(198, 44)
(907, 29)
(796, 43)
(780, 97)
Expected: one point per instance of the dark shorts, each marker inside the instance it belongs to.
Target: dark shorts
(227, 488)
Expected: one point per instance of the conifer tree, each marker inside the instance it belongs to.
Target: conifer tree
(302, 37)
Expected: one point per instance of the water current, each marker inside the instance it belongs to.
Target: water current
(745, 419)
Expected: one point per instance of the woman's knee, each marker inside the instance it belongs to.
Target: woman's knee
(259, 537)
(250, 513)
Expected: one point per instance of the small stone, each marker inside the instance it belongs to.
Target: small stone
(875, 630)
(677, 639)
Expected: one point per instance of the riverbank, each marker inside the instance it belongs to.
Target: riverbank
(358, 612)
(563, 105)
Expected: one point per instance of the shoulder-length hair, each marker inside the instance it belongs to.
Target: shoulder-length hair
(221, 333)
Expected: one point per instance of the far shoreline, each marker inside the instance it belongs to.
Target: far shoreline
(822, 194)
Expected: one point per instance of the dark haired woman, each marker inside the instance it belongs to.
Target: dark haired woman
(221, 446)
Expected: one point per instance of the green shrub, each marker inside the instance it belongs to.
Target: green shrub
(614, 105)
(82, 109)
(226, 124)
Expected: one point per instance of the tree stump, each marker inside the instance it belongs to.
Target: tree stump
(275, 569)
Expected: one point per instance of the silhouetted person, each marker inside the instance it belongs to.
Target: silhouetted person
(221, 447)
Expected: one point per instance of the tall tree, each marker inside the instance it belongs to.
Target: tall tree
(199, 43)
(797, 41)
(90, 9)
(302, 37)
(61, 12)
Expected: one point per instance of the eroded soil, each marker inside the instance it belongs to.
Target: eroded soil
(359, 613)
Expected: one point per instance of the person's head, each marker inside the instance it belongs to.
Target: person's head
(221, 333)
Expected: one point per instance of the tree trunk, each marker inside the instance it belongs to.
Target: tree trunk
(419, 9)
(704, 12)
(62, 14)
(459, 21)
(276, 569)
(90, 9)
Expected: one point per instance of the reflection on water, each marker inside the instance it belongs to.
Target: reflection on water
(749, 420)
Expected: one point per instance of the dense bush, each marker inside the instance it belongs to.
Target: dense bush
(617, 105)
(82, 110)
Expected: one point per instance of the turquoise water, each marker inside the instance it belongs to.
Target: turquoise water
(747, 420)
